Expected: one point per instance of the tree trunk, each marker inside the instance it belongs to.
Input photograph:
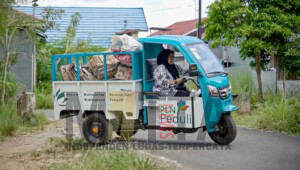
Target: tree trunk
(258, 73)
(26, 106)
(8, 39)
(4, 76)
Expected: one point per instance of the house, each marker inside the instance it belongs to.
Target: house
(24, 69)
(188, 28)
(97, 24)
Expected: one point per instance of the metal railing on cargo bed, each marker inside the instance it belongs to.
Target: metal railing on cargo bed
(136, 62)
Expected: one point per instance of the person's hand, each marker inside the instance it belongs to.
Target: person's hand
(172, 82)
(178, 80)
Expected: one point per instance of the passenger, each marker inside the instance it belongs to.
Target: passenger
(166, 75)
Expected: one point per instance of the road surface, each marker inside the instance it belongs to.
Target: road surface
(252, 149)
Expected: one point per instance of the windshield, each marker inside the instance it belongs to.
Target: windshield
(207, 59)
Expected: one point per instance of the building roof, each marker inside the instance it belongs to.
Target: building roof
(179, 28)
(29, 15)
(97, 24)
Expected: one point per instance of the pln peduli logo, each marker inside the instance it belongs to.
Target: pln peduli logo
(182, 105)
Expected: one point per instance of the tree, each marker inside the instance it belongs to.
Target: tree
(71, 31)
(258, 27)
(291, 60)
(12, 22)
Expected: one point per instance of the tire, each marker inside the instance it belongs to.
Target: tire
(227, 131)
(96, 129)
(126, 135)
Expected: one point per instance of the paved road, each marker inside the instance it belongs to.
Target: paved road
(252, 149)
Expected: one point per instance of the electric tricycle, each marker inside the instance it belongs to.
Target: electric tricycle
(124, 106)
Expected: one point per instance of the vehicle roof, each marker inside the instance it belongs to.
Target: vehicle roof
(169, 39)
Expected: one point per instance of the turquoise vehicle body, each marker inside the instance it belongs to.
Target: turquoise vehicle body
(214, 107)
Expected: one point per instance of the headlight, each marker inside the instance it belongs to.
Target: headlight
(213, 91)
(229, 88)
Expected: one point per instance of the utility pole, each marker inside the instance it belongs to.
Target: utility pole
(34, 4)
(199, 21)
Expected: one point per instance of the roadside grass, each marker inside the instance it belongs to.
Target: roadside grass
(8, 120)
(39, 123)
(10, 123)
(111, 160)
(241, 81)
(44, 100)
(276, 113)
(43, 92)
(69, 145)
(101, 157)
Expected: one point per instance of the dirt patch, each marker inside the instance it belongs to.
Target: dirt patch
(34, 150)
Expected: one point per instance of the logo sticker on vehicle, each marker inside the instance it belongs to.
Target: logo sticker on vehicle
(60, 98)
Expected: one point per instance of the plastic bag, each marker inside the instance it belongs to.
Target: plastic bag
(124, 43)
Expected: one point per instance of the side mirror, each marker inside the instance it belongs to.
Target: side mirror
(193, 70)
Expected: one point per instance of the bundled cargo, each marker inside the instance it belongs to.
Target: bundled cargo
(96, 65)
(86, 73)
(68, 72)
(94, 70)
(124, 72)
(124, 43)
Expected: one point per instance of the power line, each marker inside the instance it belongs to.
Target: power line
(166, 9)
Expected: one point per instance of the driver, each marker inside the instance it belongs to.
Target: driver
(166, 76)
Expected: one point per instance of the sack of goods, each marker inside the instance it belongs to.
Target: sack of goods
(124, 42)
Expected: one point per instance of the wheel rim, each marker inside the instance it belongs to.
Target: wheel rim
(96, 129)
(223, 129)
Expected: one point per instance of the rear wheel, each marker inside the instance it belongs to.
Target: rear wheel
(227, 131)
(96, 129)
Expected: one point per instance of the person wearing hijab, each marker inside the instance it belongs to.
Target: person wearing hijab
(166, 75)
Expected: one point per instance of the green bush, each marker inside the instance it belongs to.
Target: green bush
(241, 81)
(276, 113)
(280, 114)
(43, 92)
(8, 120)
(12, 87)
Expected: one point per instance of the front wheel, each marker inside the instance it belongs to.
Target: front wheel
(227, 131)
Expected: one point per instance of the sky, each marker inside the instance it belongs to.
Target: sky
(158, 13)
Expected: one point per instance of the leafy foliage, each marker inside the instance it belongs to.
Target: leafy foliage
(260, 28)
(291, 60)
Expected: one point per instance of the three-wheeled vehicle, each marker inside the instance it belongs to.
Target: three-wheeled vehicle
(124, 106)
